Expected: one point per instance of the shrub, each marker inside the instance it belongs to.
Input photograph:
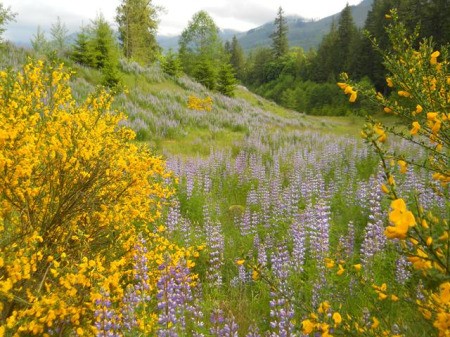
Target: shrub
(78, 203)
(420, 84)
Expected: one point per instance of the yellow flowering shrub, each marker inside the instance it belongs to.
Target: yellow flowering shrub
(420, 98)
(200, 104)
(75, 195)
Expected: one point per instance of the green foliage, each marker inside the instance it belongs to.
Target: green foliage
(280, 43)
(200, 41)
(59, 33)
(40, 43)
(138, 24)
(237, 58)
(96, 47)
(171, 64)
(206, 74)
(6, 15)
(226, 81)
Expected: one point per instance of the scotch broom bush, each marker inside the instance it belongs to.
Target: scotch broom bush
(78, 202)
(420, 99)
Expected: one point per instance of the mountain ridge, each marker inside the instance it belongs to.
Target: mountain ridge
(304, 33)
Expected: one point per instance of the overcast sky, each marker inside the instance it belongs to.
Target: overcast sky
(240, 15)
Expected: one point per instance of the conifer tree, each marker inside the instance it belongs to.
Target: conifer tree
(280, 43)
(237, 58)
(39, 42)
(80, 52)
(59, 33)
(226, 82)
(137, 20)
(171, 64)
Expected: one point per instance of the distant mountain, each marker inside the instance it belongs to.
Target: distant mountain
(302, 32)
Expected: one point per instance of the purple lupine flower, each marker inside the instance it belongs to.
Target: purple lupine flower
(221, 326)
(298, 235)
(318, 222)
(173, 216)
(174, 300)
(347, 242)
(253, 332)
(216, 244)
(107, 322)
(402, 270)
(374, 238)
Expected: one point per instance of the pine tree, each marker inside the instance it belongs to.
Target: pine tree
(138, 24)
(205, 73)
(237, 58)
(59, 33)
(171, 64)
(226, 82)
(280, 43)
(39, 42)
(80, 51)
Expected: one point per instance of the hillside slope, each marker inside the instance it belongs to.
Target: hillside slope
(157, 109)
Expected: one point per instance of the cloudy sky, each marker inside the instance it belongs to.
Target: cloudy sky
(240, 15)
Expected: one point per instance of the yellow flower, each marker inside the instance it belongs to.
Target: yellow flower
(357, 266)
(403, 166)
(415, 129)
(419, 109)
(378, 128)
(404, 93)
(337, 318)
(389, 82)
(375, 323)
(341, 270)
(434, 56)
(384, 189)
(240, 262)
(307, 326)
(353, 96)
(431, 116)
(401, 219)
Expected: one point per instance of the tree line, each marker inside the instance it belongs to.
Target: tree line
(295, 78)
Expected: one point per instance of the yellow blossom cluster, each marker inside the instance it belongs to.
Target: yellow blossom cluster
(200, 104)
(420, 99)
(401, 218)
(75, 195)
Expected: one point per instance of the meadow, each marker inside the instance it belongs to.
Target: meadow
(251, 221)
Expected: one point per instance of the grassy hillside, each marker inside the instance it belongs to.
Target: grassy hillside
(157, 109)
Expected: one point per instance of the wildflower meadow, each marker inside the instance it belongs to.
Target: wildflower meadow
(188, 213)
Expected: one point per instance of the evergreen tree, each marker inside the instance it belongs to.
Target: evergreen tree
(80, 51)
(6, 15)
(226, 82)
(39, 42)
(322, 65)
(345, 37)
(59, 33)
(237, 58)
(171, 64)
(200, 41)
(138, 24)
(206, 74)
(103, 44)
(280, 43)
